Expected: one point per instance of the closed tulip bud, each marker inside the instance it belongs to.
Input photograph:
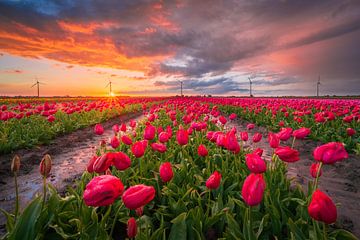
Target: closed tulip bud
(121, 161)
(255, 163)
(138, 149)
(139, 211)
(350, 132)
(102, 190)
(98, 129)
(182, 136)
(15, 164)
(90, 165)
(45, 166)
(149, 133)
(322, 208)
(231, 142)
(138, 196)
(123, 127)
(126, 140)
(274, 140)
(114, 142)
(131, 228)
(287, 154)
(330, 153)
(244, 136)
(223, 120)
(301, 133)
(213, 182)
(202, 151)
(250, 126)
(232, 116)
(132, 124)
(284, 134)
(164, 137)
(159, 147)
(258, 152)
(257, 137)
(103, 162)
(166, 172)
(116, 128)
(314, 170)
(253, 189)
(51, 118)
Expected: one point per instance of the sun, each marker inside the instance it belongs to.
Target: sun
(112, 94)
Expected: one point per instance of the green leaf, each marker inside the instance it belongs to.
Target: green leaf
(342, 234)
(178, 229)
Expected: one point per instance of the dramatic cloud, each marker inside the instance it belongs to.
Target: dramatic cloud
(202, 43)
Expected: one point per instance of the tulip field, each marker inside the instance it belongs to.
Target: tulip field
(183, 171)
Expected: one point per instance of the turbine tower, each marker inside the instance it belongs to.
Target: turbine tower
(250, 82)
(38, 86)
(181, 88)
(317, 87)
(109, 84)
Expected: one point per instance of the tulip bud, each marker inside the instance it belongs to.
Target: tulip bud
(15, 164)
(149, 133)
(314, 170)
(250, 126)
(213, 182)
(274, 140)
(121, 161)
(322, 208)
(202, 151)
(257, 137)
(244, 136)
(166, 172)
(98, 129)
(138, 196)
(114, 142)
(182, 136)
(131, 228)
(255, 163)
(350, 132)
(330, 153)
(138, 149)
(287, 154)
(253, 189)
(45, 165)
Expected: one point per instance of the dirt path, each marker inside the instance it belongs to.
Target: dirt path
(70, 154)
(340, 181)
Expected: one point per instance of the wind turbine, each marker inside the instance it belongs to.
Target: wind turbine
(317, 86)
(250, 82)
(181, 88)
(109, 84)
(38, 86)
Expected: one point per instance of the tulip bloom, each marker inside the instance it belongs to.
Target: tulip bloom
(166, 172)
(149, 133)
(102, 190)
(255, 163)
(164, 137)
(182, 136)
(322, 208)
(350, 132)
(90, 164)
(51, 118)
(258, 152)
(121, 161)
(274, 140)
(114, 142)
(45, 166)
(138, 196)
(314, 170)
(330, 153)
(287, 154)
(301, 133)
(244, 136)
(138, 149)
(213, 181)
(159, 147)
(223, 120)
(102, 163)
(232, 116)
(116, 128)
(253, 189)
(98, 129)
(284, 134)
(126, 140)
(123, 127)
(250, 126)
(131, 228)
(202, 151)
(257, 137)
(231, 142)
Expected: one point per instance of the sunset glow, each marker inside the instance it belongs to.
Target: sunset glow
(147, 48)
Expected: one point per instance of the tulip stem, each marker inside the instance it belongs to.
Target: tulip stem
(115, 218)
(17, 196)
(293, 142)
(324, 231)
(44, 197)
(317, 176)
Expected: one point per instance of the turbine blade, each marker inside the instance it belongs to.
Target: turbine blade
(33, 85)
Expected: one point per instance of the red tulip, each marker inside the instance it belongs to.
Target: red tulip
(166, 172)
(102, 190)
(314, 170)
(301, 133)
(253, 189)
(232, 116)
(255, 163)
(250, 126)
(257, 137)
(322, 208)
(123, 127)
(159, 147)
(138, 196)
(51, 118)
(223, 120)
(350, 132)
(284, 134)
(131, 227)
(132, 123)
(164, 137)
(231, 142)
(45, 165)
(202, 151)
(149, 133)
(98, 129)
(126, 140)
(89, 167)
(116, 128)
(138, 149)
(102, 163)
(330, 153)
(121, 161)
(182, 136)
(114, 142)
(287, 154)
(244, 136)
(274, 140)
(214, 180)
(258, 152)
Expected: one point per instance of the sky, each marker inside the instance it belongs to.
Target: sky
(148, 47)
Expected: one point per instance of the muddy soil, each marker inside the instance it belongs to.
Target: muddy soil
(341, 181)
(70, 154)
